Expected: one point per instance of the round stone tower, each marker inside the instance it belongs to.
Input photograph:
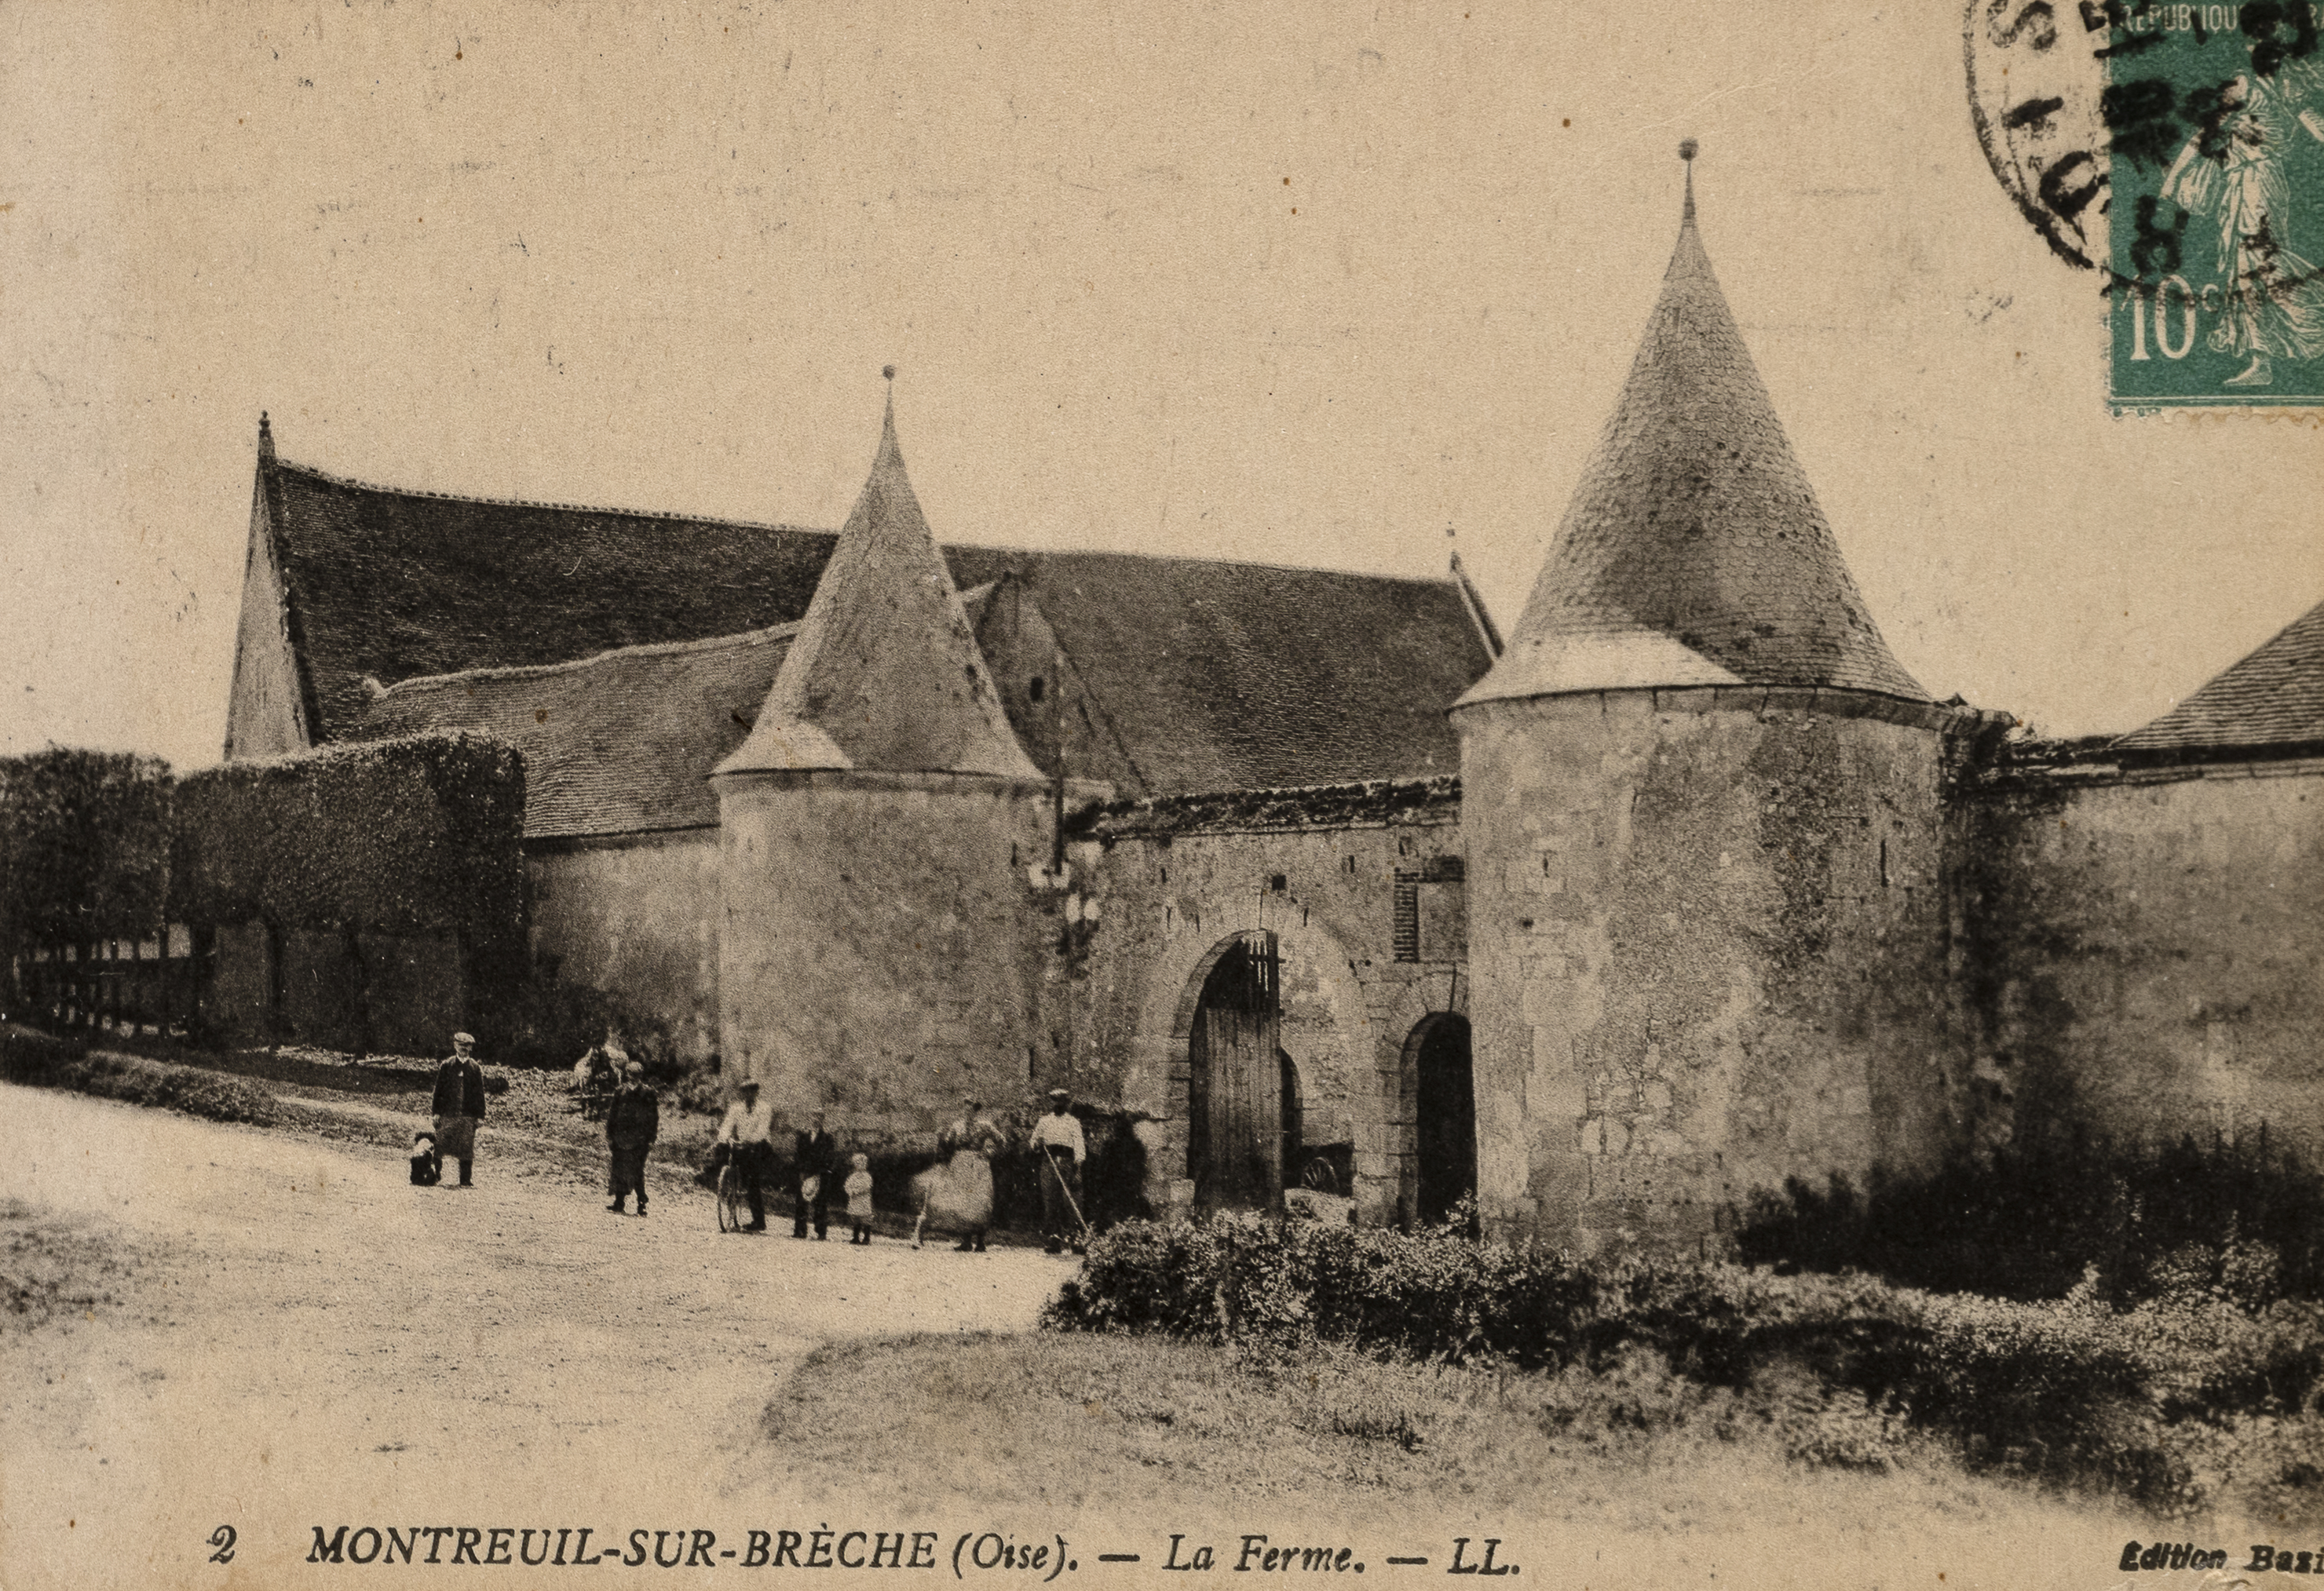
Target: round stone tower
(1701, 801)
(876, 954)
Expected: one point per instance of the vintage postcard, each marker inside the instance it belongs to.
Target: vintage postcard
(1053, 796)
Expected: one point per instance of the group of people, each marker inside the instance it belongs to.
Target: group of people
(747, 1136)
(956, 1195)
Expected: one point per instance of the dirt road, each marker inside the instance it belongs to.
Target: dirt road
(310, 1340)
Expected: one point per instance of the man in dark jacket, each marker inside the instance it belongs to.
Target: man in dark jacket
(459, 1106)
(814, 1162)
(632, 1122)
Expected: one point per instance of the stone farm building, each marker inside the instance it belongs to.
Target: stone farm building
(1301, 875)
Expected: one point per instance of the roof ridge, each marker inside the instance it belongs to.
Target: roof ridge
(360, 485)
(674, 516)
(642, 649)
(1142, 557)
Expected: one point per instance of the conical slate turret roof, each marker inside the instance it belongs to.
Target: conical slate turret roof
(885, 673)
(1693, 552)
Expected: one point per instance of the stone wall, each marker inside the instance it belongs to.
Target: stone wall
(2148, 950)
(636, 917)
(263, 716)
(1159, 889)
(883, 944)
(1709, 943)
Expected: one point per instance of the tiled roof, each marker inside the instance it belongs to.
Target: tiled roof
(1694, 532)
(2275, 698)
(1231, 676)
(394, 585)
(1211, 675)
(619, 744)
(885, 673)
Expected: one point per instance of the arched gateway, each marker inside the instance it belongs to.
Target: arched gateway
(1234, 1091)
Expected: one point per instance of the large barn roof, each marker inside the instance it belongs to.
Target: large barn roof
(1210, 675)
(1693, 552)
(620, 743)
(1231, 676)
(391, 585)
(2274, 697)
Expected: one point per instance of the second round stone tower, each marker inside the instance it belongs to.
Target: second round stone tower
(876, 957)
(1707, 936)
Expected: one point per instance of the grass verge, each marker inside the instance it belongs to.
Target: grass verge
(1096, 1422)
(42, 1062)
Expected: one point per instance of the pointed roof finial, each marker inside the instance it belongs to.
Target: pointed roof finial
(1687, 149)
(265, 436)
(885, 673)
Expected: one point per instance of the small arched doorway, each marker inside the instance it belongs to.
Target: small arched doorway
(1293, 1113)
(1445, 1116)
(1234, 1082)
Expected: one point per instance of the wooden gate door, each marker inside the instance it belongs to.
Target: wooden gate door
(1235, 1150)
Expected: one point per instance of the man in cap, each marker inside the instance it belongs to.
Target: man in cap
(747, 1132)
(459, 1106)
(814, 1162)
(632, 1123)
(1057, 1141)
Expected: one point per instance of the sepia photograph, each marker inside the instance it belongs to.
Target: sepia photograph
(1044, 794)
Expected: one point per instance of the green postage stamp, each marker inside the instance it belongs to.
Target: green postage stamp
(2215, 122)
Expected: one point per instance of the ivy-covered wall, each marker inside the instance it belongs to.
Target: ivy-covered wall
(387, 878)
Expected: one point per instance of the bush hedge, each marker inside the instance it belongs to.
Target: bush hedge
(2146, 1401)
(84, 846)
(409, 836)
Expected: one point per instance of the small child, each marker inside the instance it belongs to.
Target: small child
(427, 1171)
(859, 1200)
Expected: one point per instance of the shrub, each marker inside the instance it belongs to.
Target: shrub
(2242, 1213)
(2076, 1389)
(42, 1062)
(415, 836)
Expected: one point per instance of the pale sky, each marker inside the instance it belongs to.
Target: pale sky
(1304, 283)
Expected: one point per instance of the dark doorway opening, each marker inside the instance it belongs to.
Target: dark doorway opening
(1293, 1155)
(1445, 1126)
(1234, 1105)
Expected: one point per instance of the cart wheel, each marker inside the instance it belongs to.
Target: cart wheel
(731, 1202)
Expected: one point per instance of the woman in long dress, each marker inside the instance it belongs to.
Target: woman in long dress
(957, 1194)
(2235, 173)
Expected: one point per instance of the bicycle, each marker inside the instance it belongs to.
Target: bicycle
(733, 1195)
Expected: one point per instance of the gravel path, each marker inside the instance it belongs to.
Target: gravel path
(307, 1340)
